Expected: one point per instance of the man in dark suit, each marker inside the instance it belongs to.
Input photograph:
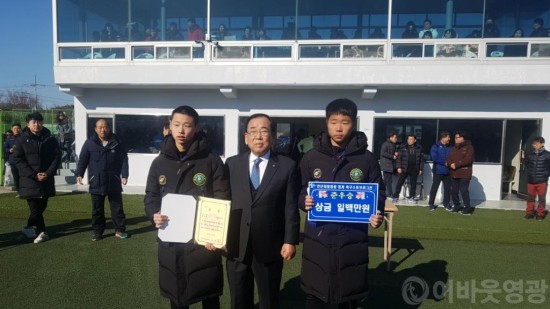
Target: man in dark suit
(264, 224)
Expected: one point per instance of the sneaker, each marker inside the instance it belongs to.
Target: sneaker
(29, 232)
(411, 201)
(449, 208)
(97, 237)
(529, 216)
(121, 234)
(467, 211)
(394, 200)
(42, 237)
(540, 218)
(432, 207)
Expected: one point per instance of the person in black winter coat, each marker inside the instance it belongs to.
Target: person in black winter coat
(37, 157)
(335, 254)
(188, 273)
(388, 156)
(537, 166)
(107, 162)
(410, 163)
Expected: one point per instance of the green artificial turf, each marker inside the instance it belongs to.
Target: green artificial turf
(71, 271)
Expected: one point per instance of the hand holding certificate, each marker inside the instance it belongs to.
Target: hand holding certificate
(204, 222)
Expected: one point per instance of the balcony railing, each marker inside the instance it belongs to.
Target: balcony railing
(303, 51)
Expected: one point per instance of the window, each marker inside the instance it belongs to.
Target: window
(485, 134)
(425, 131)
(143, 133)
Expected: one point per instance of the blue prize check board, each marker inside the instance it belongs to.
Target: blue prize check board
(343, 201)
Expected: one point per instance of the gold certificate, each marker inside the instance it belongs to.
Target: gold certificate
(212, 221)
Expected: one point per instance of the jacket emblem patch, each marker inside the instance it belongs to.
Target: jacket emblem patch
(317, 173)
(199, 179)
(162, 180)
(356, 174)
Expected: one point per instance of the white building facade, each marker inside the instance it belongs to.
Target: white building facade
(133, 61)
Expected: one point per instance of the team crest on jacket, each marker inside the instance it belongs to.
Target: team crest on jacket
(162, 180)
(356, 174)
(199, 179)
(317, 173)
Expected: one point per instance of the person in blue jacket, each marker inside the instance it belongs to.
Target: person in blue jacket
(439, 152)
(106, 159)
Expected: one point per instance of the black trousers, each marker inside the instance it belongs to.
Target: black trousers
(413, 177)
(437, 179)
(461, 185)
(209, 303)
(15, 173)
(37, 206)
(388, 180)
(313, 302)
(241, 277)
(98, 212)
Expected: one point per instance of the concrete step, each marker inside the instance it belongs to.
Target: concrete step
(65, 172)
(68, 165)
(65, 179)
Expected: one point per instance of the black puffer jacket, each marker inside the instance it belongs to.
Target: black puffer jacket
(188, 273)
(387, 163)
(403, 157)
(537, 166)
(36, 154)
(106, 164)
(335, 255)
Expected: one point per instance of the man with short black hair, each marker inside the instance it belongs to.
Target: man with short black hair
(335, 255)
(188, 272)
(9, 149)
(37, 156)
(537, 166)
(538, 30)
(388, 157)
(439, 153)
(409, 164)
(460, 161)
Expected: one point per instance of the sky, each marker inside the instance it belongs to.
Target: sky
(26, 50)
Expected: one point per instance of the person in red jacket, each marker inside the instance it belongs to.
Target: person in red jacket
(460, 161)
(195, 32)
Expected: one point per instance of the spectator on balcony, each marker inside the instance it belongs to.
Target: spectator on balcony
(410, 31)
(475, 34)
(337, 34)
(428, 27)
(313, 35)
(222, 33)
(377, 34)
(449, 34)
(290, 32)
(490, 30)
(428, 49)
(109, 34)
(247, 34)
(516, 50)
(195, 32)
(96, 36)
(262, 35)
(153, 35)
(538, 30)
(173, 33)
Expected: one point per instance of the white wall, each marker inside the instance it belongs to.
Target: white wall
(408, 104)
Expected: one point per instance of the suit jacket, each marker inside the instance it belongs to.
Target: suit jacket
(268, 219)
